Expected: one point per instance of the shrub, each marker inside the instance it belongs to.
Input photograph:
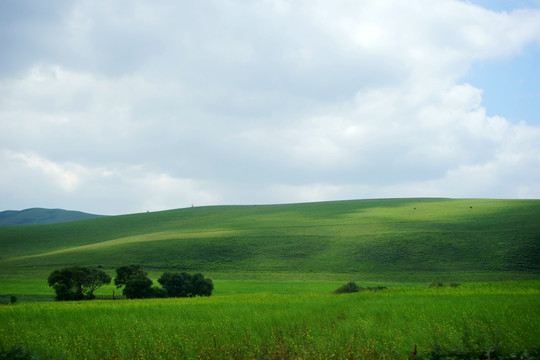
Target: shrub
(436, 285)
(348, 288)
(18, 353)
(376, 288)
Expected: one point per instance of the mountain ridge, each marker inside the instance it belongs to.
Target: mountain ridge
(42, 216)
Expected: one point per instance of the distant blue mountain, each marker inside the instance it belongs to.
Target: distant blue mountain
(37, 216)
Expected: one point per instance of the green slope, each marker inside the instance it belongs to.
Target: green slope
(393, 237)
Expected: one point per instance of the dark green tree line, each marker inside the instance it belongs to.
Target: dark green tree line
(79, 283)
(186, 285)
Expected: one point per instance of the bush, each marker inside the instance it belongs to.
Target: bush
(376, 288)
(18, 353)
(348, 288)
(440, 284)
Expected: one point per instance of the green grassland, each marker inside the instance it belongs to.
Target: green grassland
(274, 268)
(38, 289)
(388, 239)
(499, 317)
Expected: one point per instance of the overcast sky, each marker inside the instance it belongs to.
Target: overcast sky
(115, 107)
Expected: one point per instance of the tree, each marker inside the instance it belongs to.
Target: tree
(176, 284)
(124, 273)
(95, 279)
(186, 285)
(77, 283)
(136, 283)
(201, 286)
(68, 283)
(159, 292)
(138, 287)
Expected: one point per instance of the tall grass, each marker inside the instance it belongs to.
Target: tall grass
(366, 325)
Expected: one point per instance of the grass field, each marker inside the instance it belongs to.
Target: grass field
(38, 290)
(392, 239)
(274, 268)
(311, 324)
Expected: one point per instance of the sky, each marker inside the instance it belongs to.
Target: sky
(117, 107)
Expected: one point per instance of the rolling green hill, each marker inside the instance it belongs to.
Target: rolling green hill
(390, 238)
(38, 216)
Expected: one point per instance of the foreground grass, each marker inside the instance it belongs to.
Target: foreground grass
(368, 325)
(38, 289)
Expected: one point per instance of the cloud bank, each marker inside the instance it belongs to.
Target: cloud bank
(133, 106)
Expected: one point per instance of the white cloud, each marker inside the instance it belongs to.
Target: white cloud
(63, 176)
(75, 186)
(166, 192)
(164, 104)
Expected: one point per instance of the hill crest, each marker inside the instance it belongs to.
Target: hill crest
(382, 238)
(41, 216)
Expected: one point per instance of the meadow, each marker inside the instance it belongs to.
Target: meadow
(387, 239)
(500, 317)
(274, 268)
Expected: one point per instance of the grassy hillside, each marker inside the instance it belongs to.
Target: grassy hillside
(389, 238)
(38, 216)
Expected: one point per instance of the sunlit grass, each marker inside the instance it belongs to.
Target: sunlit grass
(367, 325)
(392, 237)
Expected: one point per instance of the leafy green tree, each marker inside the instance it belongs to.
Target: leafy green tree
(176, 284)
(201, 286)
(65, 293)
(186, 285)
(77, 283)
(136, 283)
(95, 279)
(138, 287)
(159, 292)
(67, 283)
(124, 273)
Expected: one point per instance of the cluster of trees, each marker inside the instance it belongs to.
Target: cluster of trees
(137, 285)
(79, 283)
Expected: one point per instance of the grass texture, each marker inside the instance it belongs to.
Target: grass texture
(368, 325)
(387, 239)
